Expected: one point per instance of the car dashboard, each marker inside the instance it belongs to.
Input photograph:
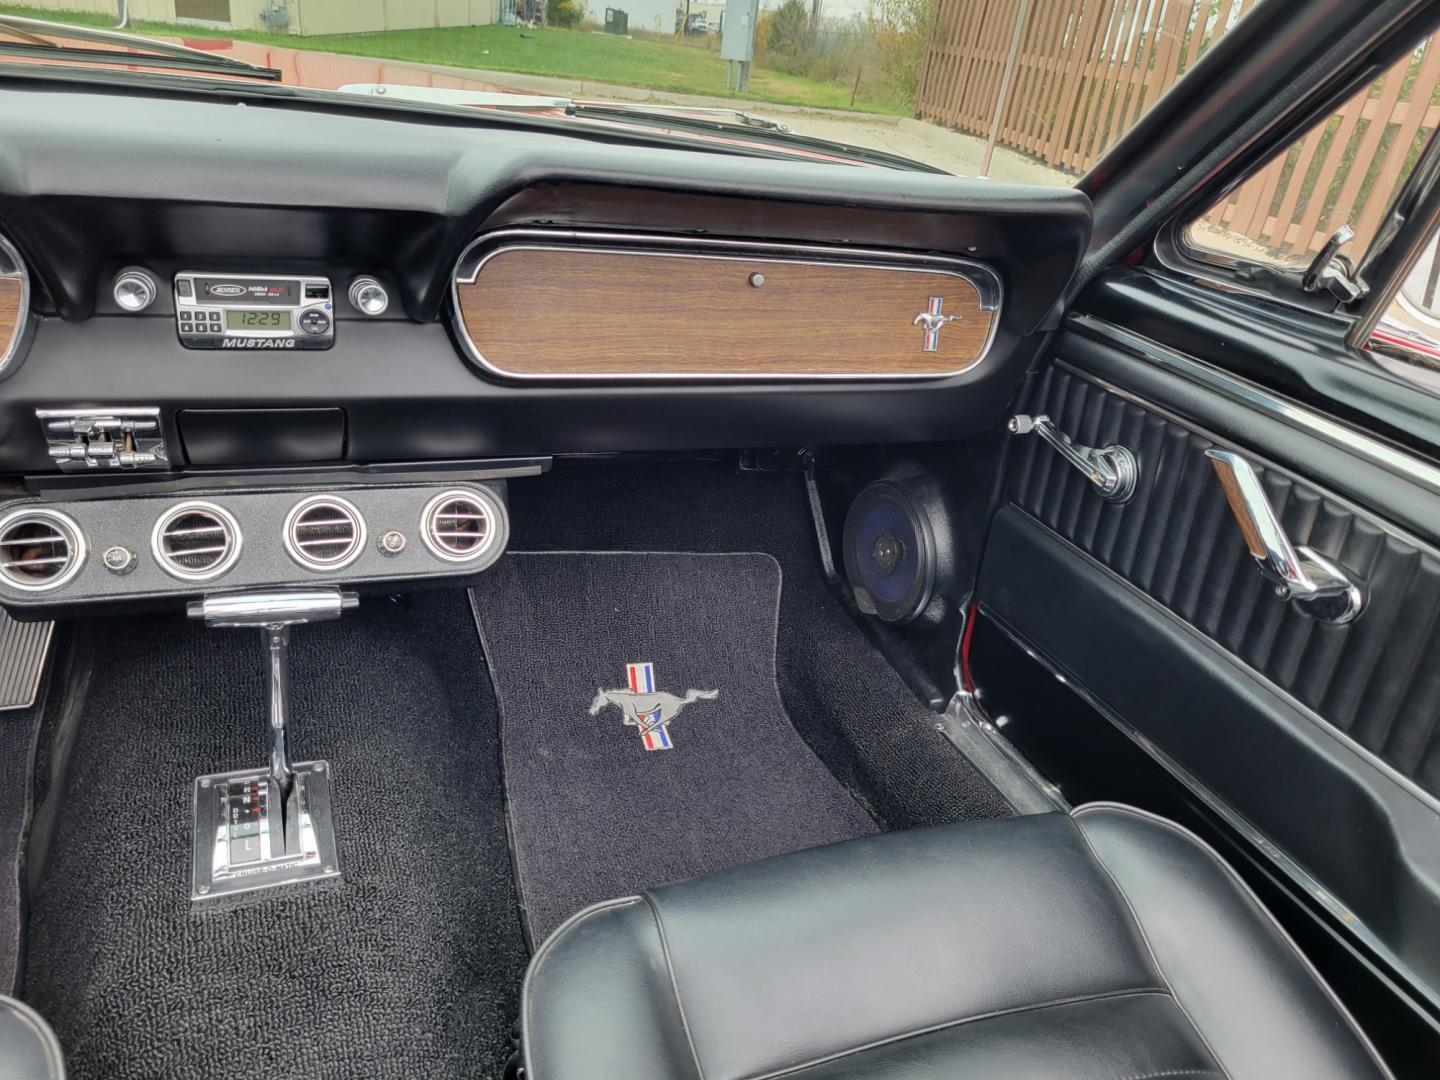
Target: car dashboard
(254, 344)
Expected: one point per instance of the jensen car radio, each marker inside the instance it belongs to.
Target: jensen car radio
(253, 311)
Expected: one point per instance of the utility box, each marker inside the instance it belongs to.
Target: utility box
(737, 38)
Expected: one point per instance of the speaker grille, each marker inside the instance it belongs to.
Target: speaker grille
(889, 552)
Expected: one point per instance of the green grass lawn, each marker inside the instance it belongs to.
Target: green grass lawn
(571, 54)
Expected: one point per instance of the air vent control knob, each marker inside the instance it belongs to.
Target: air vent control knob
(119, 559)
(135, 290)
(369, 297)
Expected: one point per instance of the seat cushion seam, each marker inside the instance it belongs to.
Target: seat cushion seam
(674, 984)
(1149, 948)
(1265, 916)
(1058, 1003)
(1173, 1073)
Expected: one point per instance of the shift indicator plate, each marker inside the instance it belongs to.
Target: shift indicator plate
(240, 842)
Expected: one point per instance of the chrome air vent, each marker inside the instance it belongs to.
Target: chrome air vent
(324, 532)
(196, 541)
(462, 526)
(39, 549)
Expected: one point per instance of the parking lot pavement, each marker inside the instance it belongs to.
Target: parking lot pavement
(952, 151)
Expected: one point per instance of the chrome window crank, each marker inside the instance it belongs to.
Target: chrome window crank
(1319, 587)
(1112, 469)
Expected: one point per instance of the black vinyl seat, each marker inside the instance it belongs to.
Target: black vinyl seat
(1104, 945)
(28, 1049)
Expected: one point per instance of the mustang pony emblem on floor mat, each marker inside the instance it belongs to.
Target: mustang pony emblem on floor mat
(646, 709)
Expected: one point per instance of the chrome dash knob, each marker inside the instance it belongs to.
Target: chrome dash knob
(369, 297)
(135, 289)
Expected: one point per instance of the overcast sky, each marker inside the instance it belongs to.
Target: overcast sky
(840, 9)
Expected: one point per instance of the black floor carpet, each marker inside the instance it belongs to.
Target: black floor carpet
(409, 968)
(17, 754)
(594, 813)
(843, 697)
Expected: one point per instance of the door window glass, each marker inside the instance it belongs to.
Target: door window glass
(1344, 171)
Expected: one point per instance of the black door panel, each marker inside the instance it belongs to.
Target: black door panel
(1377, 679)
(1327, 806)
(1322, 739)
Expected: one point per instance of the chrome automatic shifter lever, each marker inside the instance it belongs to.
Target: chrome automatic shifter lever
(266, 827)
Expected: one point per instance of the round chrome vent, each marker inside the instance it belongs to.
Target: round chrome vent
(39, 549)
(461, 526)
(324, 532)
(196, 541)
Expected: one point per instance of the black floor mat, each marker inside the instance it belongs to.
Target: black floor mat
(410, 968)
(17, 753)
(844, 697)
(603, 799)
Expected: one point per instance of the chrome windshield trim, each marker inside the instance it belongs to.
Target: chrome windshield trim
(1387, 456)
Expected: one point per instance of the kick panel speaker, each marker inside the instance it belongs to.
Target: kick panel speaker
(894, 535)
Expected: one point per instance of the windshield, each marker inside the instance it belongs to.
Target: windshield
(1016, 90)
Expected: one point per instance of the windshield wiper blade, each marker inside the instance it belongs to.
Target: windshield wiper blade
(751, 127)
(723, 118)
(37, 35)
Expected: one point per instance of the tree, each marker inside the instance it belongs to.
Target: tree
(902, 29)
(564, 13)
(790, 29)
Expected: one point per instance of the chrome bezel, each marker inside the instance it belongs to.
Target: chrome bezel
(487, 502)
(79, 550)
(343, 506)
(486, 246)
(9, 350)
(357, 290)
(179, 572)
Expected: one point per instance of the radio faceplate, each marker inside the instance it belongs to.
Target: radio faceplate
(253, 311)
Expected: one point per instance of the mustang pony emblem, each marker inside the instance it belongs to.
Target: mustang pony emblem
(646, 709)
(933, 321)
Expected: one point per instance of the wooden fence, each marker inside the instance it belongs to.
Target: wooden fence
(1087, 69)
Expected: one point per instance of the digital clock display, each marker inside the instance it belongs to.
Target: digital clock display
(257, 320)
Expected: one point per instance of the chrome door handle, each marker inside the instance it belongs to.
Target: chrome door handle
(1112, 469)
(1319, 587)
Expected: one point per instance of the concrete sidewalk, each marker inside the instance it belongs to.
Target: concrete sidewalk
(952, 151)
